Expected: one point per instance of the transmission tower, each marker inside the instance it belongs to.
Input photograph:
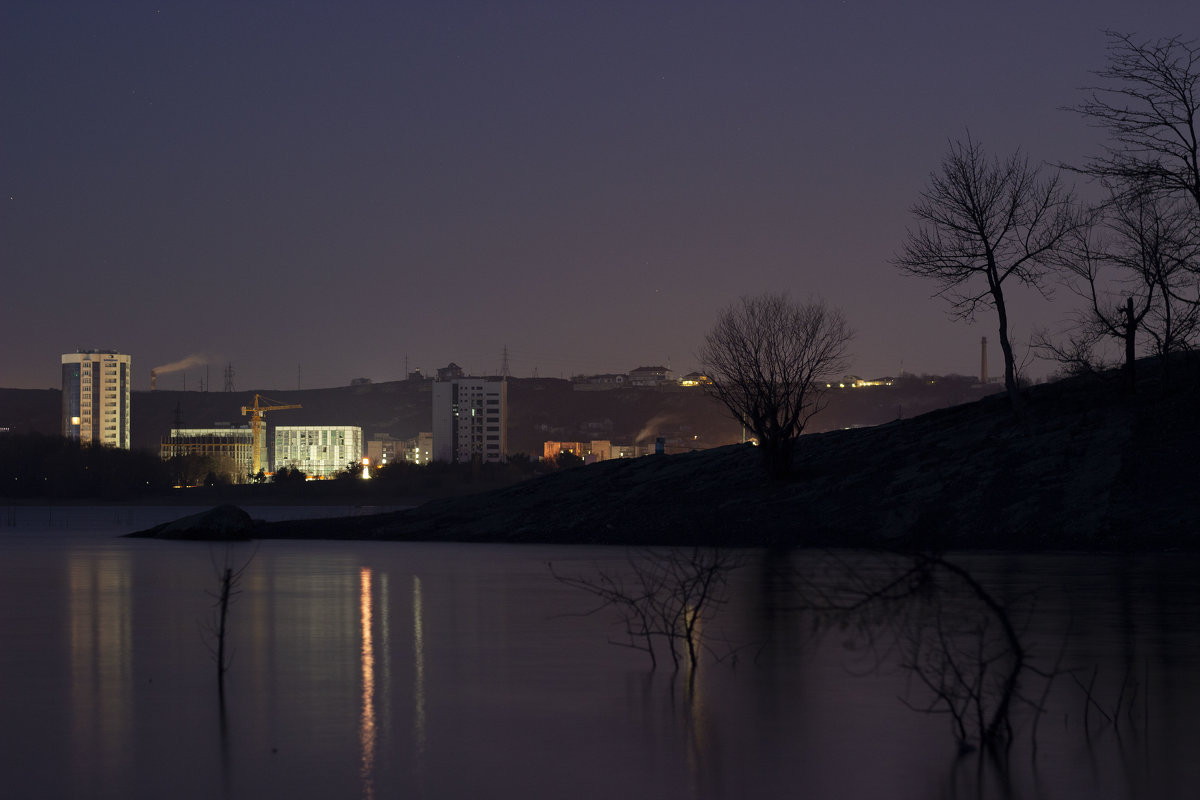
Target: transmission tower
(229, 377)
(504, 364)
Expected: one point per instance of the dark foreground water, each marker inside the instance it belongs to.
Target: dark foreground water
(446, 671)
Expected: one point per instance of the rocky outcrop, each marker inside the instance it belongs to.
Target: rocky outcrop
(225, 523)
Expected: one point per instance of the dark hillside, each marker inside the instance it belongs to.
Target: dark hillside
(1085, 467)
(31, 411)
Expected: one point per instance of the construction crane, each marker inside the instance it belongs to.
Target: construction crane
(256, 412)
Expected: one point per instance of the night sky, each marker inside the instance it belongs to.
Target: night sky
(339, 187)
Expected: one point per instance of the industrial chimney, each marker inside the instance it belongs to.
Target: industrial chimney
(983, 361)
(153, 378)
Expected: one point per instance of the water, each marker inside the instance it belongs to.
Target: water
(430, 671)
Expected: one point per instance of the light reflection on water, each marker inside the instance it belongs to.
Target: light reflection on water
(367, 733)
(479, 678)
(100, 644)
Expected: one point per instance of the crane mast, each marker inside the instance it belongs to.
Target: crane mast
(256, 413)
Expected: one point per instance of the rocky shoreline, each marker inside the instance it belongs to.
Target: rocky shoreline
(1085, 466)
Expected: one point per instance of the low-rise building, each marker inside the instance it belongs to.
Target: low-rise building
(383, 450)
(590, 452)
(419, 449)
(650, 376)
(695, 379)
(450, 372)
(594, 383)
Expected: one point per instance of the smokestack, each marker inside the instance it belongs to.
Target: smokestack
(983, 361)
(153, 378)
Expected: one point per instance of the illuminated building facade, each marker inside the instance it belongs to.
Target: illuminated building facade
(232, 445)
(470, 420)
(95, 397)
(318, 452)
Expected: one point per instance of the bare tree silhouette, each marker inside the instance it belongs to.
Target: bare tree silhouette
(766, 357)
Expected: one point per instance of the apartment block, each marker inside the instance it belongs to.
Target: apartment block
(470, 420)
(96, 388)
(318, 452)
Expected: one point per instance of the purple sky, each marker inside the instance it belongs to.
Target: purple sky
(339, 186)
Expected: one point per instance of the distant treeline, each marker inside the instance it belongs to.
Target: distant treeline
(35, 465)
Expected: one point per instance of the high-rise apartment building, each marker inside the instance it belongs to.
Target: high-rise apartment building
(95, 397)
(470, 420)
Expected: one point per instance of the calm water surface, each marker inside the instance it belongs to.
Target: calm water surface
(445, 671)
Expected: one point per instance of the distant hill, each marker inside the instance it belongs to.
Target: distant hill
(540, 409)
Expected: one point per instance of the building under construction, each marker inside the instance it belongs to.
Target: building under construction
(234, 443)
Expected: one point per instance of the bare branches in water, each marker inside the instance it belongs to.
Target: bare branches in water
(662, 596)
(961, 650)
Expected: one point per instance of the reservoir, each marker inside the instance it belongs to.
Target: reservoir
(377, 669)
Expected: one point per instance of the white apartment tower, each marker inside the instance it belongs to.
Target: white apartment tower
(95, 397)
(470, 420)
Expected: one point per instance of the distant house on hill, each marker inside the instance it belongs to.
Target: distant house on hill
(610, 380)
(695, 379)
(450, 372)
(649, 376)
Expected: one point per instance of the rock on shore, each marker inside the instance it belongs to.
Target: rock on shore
(225, 523)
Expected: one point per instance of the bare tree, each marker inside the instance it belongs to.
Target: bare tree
(1130, 265)
(1148, 104)
(767, 357)
(982, 223)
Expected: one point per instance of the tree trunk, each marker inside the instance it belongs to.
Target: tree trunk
(1130, 347)
(226, 583)
(1010, 370)
(777, 455)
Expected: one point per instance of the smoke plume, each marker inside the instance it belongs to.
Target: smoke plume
(651, 427)
(194, 360)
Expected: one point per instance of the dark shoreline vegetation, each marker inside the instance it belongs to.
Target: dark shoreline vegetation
(1086, 465)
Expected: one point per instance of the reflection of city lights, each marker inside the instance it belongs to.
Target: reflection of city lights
(367, 728)
(418, 669)
(101, 636)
